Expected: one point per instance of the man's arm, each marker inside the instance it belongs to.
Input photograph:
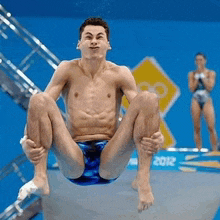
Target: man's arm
(128, 84)
(54, 89)
(129, 88)
(58, 81)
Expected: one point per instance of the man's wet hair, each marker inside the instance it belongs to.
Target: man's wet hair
(96, 21)
(201, 54)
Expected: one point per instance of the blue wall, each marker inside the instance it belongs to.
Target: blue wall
(187, 10)
(172, 43)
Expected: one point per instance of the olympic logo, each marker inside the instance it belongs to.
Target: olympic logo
(159, 88)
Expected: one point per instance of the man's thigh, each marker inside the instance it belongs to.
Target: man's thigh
(68, 153)
(117, 152)
(139, 116)
(70, 156)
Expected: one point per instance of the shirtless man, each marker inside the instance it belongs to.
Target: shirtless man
(91, 147)
(201, 82)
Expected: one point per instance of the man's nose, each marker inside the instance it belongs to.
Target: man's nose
(93, 41)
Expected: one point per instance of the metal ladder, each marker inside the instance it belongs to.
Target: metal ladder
(20, 88)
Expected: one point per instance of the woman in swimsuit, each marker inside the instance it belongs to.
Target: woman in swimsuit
(201, 82)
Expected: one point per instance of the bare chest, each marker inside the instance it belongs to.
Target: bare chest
(92, 95)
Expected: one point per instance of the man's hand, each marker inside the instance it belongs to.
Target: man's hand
(33, 153)
(153, 144)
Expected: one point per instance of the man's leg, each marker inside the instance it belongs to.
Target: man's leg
(209, 114)
(134, 183)
(146, 124)
(44, 126)
(196, 114)
(142, 120)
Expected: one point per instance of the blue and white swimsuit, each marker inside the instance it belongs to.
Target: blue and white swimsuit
(201, 94)
(92, 152)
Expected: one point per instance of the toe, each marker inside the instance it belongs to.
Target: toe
(140, 207)
(145, 207)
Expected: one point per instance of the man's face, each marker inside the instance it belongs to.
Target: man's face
(200, 61)
(93, 42)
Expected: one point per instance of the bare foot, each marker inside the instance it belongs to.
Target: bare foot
(146, 198)
(134, 184)
(35, 186)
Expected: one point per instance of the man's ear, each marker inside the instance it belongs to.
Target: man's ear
(109, 46)
(78, 45)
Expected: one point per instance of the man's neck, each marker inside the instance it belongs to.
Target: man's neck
(93, 66)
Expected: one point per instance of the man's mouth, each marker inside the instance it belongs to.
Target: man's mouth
(93, 48)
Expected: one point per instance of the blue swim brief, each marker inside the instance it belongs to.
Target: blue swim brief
(92, 151)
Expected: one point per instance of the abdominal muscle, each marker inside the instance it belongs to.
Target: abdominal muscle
(92, 119)
(85, 127)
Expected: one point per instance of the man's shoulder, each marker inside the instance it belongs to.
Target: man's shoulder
(67, 67)
(69, 63)
(117, 68)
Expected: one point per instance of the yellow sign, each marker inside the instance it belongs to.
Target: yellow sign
(169, 140)
(151, 77)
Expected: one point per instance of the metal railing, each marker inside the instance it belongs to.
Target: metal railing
(20, 88)
(9, 22)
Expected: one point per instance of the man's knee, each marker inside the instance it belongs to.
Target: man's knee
(148, 100)
(39, 101)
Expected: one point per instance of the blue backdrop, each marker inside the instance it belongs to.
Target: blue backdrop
(172, 44)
